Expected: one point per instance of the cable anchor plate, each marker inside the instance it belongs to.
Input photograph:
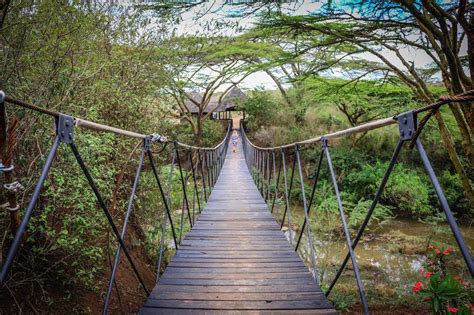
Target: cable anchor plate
(65, 128)
(407, 125)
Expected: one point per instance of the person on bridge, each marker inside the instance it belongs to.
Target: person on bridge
(234, 139)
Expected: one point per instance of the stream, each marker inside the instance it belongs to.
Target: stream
(391, 252)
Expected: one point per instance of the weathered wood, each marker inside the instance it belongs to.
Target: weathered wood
(250, 296)
(174, 311)
(300, 289)
(236, 260)
(241, 305)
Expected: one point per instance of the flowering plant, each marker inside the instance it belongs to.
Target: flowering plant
(447, 293)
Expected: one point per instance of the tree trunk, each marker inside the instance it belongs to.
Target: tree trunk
(3, 11)
(199, 131)
(464, 130)
(460, 171)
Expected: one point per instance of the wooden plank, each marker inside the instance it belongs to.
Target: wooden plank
(171, 274)
(282, 288)
(243, 270)
(174, 311)
(234, 282)
(225, 264)
(236, 296)
(241, 305)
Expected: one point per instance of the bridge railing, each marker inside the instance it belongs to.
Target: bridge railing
(200, 165)
(268, 167)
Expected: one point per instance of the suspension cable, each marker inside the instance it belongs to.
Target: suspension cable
(91, 125)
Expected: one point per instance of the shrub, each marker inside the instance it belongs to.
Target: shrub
(406, 190)
(446, 292)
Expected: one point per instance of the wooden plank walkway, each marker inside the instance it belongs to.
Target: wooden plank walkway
(235, 259)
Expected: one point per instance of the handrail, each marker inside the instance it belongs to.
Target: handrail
(91, 125)
(258, 161)
(338, 134)
(375, 124)
(229, 127)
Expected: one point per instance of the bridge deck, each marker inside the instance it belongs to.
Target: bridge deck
(235, 259)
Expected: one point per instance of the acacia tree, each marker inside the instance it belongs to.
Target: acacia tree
(211, 66)
(385, 28)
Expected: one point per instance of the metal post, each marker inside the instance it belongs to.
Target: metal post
(318, 170)
(13, 250)
(289, 190)
(287, 197)
(209, 182)
(183, 184)
(276, 178)
(124, 227)
(262, 158)
(196, 191)
(163, 230)
(378, 194)
(306, 215)
(345, 228)
(447, 210)
(184, 199)
(160, 187)
(102, 204)
(269, 175)
(203, 179)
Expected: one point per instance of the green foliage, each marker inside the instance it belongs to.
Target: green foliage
(258, 107)
(95, 62)
(359, 213)
(452, 188)
(405, 189)
(70, 224)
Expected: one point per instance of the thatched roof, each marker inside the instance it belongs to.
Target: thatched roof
(229, 102)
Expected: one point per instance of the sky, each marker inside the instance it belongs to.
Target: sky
(194, 22)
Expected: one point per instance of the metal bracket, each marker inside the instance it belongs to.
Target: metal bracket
(324, 143)
(407, 125)
(6, 169)
(65, 128)
(156, 137)
(147, 143)
(14, 187)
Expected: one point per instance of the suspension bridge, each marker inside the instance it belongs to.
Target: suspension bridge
(235, 259)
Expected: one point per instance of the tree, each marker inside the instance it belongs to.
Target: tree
(209, 67)
(386, 27)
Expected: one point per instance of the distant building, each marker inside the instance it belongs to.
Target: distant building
(228, 103)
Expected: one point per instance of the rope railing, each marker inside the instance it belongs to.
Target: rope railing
(259, 159)
(194, 164)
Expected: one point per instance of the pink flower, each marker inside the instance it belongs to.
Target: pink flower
(437, 251)
(458, 278)
(452, 309)
(428, 274)
(430, 246)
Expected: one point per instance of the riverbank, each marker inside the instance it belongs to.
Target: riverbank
(390, 257)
